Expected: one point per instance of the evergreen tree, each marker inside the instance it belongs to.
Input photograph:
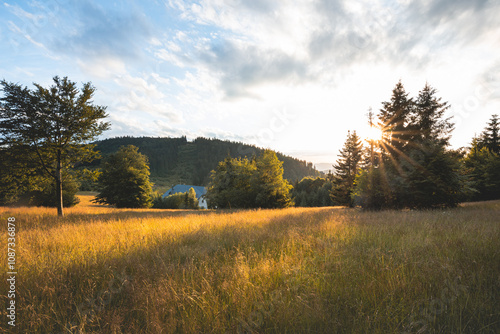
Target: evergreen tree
(371, 190)
(394, 118)
(431, 178)
(124, 181)
(489, 137)
(429, 175)
(428, 123)
(347, 167)
(483, 167)
(415, 169)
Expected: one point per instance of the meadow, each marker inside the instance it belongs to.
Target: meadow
(296, 270)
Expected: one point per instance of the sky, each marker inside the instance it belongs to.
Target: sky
(293, 76)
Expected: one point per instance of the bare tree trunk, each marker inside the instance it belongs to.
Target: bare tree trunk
(59, 192)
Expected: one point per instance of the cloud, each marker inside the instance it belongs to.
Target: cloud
(95, 32)
(439, 26)
(141, 95)
(103, 67)
(242, 67)
(251, 43)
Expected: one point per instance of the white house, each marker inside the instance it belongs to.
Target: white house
(182, 188)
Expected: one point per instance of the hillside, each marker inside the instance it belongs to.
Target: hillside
(177, 160)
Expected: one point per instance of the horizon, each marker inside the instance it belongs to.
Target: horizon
(280, 76)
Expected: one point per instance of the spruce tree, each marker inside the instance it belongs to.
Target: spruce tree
(428, 123)
(483, 163)
(346, 168)
(394, 117)
(430, 172)
(415, 169)
(490, 136)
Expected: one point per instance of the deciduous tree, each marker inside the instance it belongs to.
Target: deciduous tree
(124, 180)
(52, 128)
(243, 183)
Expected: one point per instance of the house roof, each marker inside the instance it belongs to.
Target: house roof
(182, 188)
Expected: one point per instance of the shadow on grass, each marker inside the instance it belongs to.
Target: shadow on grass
(80, 293)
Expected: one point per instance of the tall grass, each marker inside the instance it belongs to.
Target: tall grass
(312, 270)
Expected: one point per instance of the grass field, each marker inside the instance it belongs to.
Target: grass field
(297, 270)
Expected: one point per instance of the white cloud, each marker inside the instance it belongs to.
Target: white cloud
(222, 67)
(102, 67)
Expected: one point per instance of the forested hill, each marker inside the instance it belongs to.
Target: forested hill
(179, 161)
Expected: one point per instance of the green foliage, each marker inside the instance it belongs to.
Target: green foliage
(47, 195)
(124, 181)
(23, 184)
(346, 169)
(173, 201)
(87, 178)
(427, 122)
(177, 161)
(313, 192)
(483, 166)
(430, 178)
(271, 189)
(240, 183)
(185, 200)
(415, 170)
(372, 190)
(231, 184)
(189, 201)
(394, 117)
(50, 128)
(18, 177)
(490, 136)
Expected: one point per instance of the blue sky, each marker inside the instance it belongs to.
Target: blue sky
(293, 76)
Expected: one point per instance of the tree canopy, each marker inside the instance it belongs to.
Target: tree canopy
(415, 169)
(314, 192)
(346, 169)
(124, 181)
(50, 129)
(483, 163)
(243, 183)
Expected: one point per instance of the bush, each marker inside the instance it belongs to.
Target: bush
(47, 196)
(185, 200)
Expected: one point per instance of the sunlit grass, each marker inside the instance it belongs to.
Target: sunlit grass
(327, 270)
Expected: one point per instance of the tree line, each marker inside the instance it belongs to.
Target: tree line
(411, 165)
(190, 162)
(46, 133)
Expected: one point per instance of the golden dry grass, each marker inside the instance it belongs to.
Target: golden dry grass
(106, 270)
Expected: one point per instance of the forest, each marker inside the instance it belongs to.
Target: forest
(180, 161)
(408, 163)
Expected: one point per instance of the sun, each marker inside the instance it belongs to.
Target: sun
(374, 133)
